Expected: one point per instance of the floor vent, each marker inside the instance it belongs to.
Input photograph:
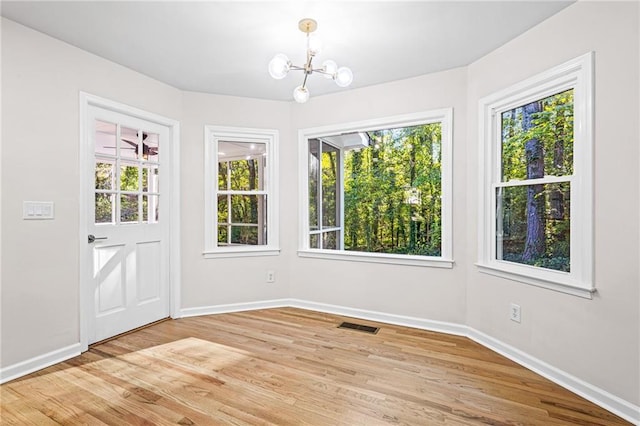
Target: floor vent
(359, 327)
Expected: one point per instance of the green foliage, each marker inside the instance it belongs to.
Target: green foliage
(103, 202)
(392, 191)
(239, 214)
(111, 201)
(103, 208)
(553, 127)
(129, 203)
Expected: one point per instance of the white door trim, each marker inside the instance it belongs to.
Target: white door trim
(85, 300)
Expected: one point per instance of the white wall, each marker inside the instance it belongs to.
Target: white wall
(427, 293)
(41, 80)
(210, 282)
(596, 340)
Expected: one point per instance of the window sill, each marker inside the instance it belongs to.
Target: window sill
(562, 286)
(240, 252)
(394, 259)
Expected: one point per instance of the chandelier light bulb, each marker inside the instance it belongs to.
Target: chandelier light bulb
(279, 66)
(314, 44)
(301, 94)
(330, 67)
(344, 77)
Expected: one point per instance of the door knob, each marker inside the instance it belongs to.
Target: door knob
(92, 238)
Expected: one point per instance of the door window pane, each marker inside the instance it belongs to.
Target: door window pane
(104, 208)
(129, 178)
(128, 143)
(150, 179)
(105, 138)
(150, 146)
(128, 208)
(150, 208)
(104, 175)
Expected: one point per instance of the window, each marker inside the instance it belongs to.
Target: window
(126, 176)
(378, 191)
(536, 165)
(241, 199)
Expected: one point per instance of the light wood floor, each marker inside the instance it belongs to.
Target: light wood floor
(290, 367)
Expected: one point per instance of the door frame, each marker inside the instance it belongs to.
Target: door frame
(173, 194)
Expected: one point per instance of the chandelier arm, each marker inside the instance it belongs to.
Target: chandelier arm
(308, 68)
(322, 71)
(304, 82)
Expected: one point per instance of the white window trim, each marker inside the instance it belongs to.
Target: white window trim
(577, 74)
(269, 137)
(444, 116)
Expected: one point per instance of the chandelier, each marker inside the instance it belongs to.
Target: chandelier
(280, 65)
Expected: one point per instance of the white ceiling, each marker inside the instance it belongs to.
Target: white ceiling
(224, 47)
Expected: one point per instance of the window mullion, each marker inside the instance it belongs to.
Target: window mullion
(228, 196)
(325, 230)
(498, 224)
(229, 218)
(340, 189)
(538, 181)
(140, 155)
(319, 202)
(242, 192)
(115, 211)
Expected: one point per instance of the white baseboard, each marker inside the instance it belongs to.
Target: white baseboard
(234, 307)
(39, 362)
(604, 399)
(423, 324)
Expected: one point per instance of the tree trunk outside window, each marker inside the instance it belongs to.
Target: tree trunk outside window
(534, 154)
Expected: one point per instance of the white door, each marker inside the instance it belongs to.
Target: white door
(128, 223)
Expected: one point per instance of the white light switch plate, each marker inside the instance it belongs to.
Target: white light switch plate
(37, 210)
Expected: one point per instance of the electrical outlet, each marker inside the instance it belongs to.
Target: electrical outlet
(515, 313)
(271, 276)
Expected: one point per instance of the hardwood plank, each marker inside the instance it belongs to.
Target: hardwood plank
(290, 366)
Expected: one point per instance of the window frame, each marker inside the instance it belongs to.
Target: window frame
(339, 201)
(443, 116)
(575, 74)
(269, 137)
